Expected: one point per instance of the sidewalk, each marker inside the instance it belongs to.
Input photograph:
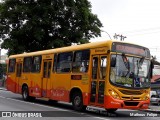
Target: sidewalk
(3, 88)
(154, 109)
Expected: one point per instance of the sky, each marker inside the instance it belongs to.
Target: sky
(138, 20)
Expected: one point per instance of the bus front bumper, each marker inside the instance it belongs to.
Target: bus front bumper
(110, 102)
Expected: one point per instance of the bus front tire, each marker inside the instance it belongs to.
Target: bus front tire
(77, 102)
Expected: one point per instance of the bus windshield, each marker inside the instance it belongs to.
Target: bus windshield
(130, 71)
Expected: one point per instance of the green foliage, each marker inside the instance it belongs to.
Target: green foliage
(31, 25)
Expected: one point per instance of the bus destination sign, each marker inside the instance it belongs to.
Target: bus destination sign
(130, 49)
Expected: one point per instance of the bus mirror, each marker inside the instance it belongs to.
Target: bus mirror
(151, 69)
(113, 62)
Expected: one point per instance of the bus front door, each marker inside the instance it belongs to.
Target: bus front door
(99, 64)
(46, 77)
(18, 76)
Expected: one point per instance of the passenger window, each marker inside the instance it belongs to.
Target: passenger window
(11, 66)
(81, 61)
(64, 62)
(55, 63)
(36, 66)
(27, 64)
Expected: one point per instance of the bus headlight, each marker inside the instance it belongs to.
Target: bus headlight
(146, 97)
(114, 94)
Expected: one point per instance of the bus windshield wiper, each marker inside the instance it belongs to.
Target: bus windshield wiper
(139, 64)
(126, 63)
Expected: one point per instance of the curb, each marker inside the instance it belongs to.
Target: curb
(151, 110)
(1, 88)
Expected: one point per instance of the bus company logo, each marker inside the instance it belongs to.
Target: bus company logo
(6, 114)
(21, 114)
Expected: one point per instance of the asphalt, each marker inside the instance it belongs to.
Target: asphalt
(152, 108)
(3, 88)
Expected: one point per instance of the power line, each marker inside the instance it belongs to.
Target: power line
(107, 34)
(143, 33)
(142, 30)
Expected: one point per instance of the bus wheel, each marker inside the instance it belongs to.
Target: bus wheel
(111, 110)
(158, 103)
(77, 102)
(25, 94)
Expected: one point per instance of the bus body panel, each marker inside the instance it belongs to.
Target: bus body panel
(35, 84)
(10, 83)
(60, 87)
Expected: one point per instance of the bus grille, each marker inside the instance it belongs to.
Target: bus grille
(129, 92)
(130, 98)
(131, 103)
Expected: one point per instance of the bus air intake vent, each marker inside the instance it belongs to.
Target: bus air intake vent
(128, 92)
(127, 103)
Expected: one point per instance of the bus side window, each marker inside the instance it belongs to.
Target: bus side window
(11, 66)
(81, 61)
(55, 62)
(27, 64)
(64, 62)
(36, 64)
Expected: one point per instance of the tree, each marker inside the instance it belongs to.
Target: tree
(31, 25)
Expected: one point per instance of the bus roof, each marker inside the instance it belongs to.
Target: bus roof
(107, 43)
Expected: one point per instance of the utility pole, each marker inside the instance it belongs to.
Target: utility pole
(118, 36)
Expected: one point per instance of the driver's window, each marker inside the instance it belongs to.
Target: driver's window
(121, 67)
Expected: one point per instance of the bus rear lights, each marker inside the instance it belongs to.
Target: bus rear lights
(114, 94)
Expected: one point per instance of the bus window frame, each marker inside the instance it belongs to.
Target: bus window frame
(40, 62)
(55, 62)
(59, 64)
(9, 65)
(30, 66)
(82, 61)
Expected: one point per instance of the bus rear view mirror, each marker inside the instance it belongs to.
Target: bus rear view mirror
(151, 68)
(113, 62)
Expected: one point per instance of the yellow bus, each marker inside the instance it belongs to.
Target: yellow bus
(110, 74)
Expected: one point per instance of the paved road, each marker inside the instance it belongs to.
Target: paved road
(60, 111)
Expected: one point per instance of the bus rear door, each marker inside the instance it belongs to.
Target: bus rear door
(99, 63)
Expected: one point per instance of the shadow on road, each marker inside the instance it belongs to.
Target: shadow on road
(90, 112)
